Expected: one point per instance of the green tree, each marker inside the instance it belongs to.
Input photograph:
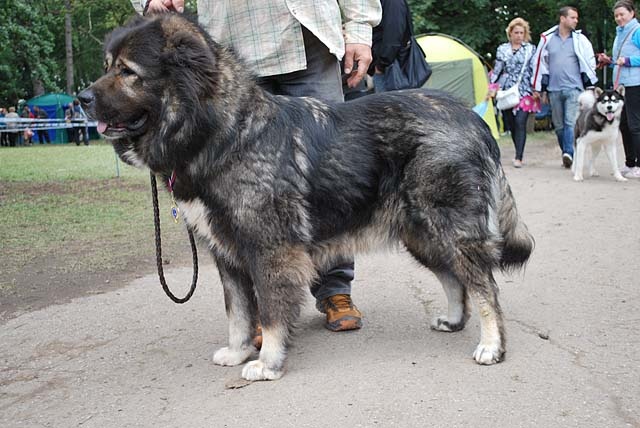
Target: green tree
(481, 23)
(26, 46)
(32, 44)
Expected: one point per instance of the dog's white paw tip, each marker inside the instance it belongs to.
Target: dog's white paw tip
(488, 355)
(227, 357)
(621, 178)
(576, 178)
(441, 324)
(256, 370)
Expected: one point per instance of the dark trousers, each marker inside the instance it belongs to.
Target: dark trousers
(630, 126)
(517, 124)
(13, 136)
(43, 135)
(321, 79)
(71, 135)
(4, 138)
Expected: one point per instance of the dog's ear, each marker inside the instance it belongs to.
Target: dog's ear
(598, 91)
(187, 52)
(620, 90)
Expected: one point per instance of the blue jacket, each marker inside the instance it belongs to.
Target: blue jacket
(630, 71)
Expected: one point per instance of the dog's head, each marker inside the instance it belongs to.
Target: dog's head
(158, 72)
(609, 103)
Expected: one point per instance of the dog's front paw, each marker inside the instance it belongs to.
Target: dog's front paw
(256, 370)
(488, 354)
(578, 178)
(594, 173)
(619, 177)
(442, 323)
(228, 357)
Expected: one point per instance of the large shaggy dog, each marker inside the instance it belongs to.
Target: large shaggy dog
(280, 187)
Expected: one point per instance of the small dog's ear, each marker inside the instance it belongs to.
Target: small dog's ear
(598, 91)
(620, 90)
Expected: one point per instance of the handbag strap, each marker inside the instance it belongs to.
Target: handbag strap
(616, 82)
(524, 66)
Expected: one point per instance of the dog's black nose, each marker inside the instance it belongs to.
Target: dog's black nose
(86, 97)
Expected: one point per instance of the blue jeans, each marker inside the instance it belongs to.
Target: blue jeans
(564, 112)
(378, 83)
(322, 79)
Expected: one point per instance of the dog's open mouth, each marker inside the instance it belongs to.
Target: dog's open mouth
(610, 116)
(121, 129)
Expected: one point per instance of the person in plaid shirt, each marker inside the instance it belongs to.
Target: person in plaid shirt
(295, 48)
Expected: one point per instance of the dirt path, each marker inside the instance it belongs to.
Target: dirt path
(131, 358)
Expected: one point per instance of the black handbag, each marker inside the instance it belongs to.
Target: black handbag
(410, 68)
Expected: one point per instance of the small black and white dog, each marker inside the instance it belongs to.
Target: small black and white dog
(598, 126)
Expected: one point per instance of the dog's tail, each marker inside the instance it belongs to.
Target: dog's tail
(517, 241)
(586, 100)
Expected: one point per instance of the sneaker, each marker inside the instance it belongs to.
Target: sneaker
(634, 173)
(517, 163)
(567, 160)
(342, 314)
(625, 169)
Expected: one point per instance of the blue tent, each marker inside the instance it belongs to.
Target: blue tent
(54, 105)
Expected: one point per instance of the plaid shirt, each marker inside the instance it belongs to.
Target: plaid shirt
(268, 33)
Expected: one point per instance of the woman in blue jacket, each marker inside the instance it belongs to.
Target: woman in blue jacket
(626, 57)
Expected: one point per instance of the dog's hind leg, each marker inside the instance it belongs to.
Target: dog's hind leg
(612, 153)
(281, 280)
(472, 267)
(242, 312)
(468, 274)
(458, 304)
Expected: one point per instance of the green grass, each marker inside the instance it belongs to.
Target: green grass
(64, 211)
(61, 162)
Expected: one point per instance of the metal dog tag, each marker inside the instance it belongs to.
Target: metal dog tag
(175, 211)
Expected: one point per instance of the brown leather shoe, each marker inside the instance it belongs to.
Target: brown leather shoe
(342, 314)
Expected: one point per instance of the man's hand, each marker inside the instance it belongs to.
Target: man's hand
(544, 99)
(356, 53)
(161, 6)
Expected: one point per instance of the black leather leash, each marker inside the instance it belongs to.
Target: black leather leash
(194, 251)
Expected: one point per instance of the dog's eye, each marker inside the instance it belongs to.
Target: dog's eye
(125, 72)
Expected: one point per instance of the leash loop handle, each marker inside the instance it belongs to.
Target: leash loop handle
(194, 251)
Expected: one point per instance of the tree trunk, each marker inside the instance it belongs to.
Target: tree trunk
(38, 87)
(68, 44)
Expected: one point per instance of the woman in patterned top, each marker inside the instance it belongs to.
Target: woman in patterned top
(510, 58)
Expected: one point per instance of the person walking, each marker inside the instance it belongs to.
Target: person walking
(4, 135)
(513, 67)
(295, 49)
(80, 123)
(12, 124)
(43, 134)
(68, 118)
(564, 64)
(626, 71)
(27, 135)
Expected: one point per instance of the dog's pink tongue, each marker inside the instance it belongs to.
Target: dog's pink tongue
(102, 127)
(610, 116)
